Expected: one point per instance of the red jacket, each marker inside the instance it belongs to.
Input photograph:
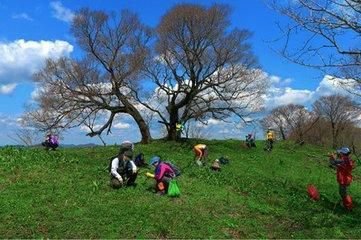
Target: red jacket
(344, 170)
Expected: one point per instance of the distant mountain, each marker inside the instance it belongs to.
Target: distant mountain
(85, 145)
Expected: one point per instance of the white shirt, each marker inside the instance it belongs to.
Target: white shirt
(115, 166)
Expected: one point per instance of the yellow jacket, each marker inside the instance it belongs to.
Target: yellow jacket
(270, 135)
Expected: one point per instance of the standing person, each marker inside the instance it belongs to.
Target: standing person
(201, 154)
(163, 174)
(344, 165)
(269, 140)
(123, 170)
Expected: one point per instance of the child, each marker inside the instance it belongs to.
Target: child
(344, 165)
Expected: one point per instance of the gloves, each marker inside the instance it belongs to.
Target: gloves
(134, 167)
(120, 179)
(148, 174)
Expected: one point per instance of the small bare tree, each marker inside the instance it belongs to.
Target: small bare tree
(324, 34)
(201, 68)
(339, 111)
(74, 91)
(276, 121)
(291, 120)
(25, 136)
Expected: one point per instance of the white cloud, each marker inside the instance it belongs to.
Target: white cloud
(61, 13)
(7, 88)
(293, 96)
(121, 125)
(278, 95)
(20, 58)
(23, 16)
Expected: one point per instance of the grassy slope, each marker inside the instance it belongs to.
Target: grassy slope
(65, 194)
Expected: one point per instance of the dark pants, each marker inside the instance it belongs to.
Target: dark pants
(269, 145)
(343, 190)
(129, 180)
(49, 145)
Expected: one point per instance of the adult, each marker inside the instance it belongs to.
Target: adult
(201, 154)
(123, 170)
(51, 142)
(163, 174)
(269, 140)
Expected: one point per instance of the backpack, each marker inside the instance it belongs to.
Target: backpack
(223, 160)
(175, 169)
(140, 160)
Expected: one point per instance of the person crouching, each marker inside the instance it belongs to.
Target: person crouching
(123, 170)
(163, 174)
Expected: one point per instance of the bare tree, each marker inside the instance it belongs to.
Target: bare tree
(275, 121)
(201, 68)
(291, 120)
(324, 34)
(339, 111)
(74, 91)
(25, 136)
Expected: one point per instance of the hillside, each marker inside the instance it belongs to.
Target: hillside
(65, 194)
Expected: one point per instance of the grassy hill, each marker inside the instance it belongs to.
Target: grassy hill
(65, 194)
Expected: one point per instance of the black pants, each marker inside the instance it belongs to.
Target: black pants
(343, 190)
(49, 145)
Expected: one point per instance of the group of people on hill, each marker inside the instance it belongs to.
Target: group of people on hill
(270, 137)
(124, 170)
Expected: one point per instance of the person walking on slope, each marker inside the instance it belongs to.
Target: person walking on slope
(269, 140)
(344, 165)
(201, 154)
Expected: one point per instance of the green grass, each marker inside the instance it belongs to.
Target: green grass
(65, 194)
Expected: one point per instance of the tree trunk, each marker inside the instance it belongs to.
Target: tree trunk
(142, 125)
(282, 133)
(173, 120)
(334, 137)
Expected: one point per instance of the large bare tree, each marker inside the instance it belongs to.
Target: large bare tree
(339, 111)
(324, 34)
(201, 68)
(97, 86)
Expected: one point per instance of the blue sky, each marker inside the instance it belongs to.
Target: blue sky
(31, 31)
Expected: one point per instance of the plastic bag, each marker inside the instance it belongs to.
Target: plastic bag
(173, 189)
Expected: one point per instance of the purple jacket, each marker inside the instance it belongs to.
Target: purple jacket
(163, 170)
(53, 140)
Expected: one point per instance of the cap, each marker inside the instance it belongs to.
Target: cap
(343, 150)
(154, 160)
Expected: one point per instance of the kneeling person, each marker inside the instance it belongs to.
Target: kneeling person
(163, 174)
(123, 170)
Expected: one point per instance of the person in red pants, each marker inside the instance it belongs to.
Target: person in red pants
(344, 165)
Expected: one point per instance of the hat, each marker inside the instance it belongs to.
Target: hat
(343, 150)
(128, 154)
(154, 160)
